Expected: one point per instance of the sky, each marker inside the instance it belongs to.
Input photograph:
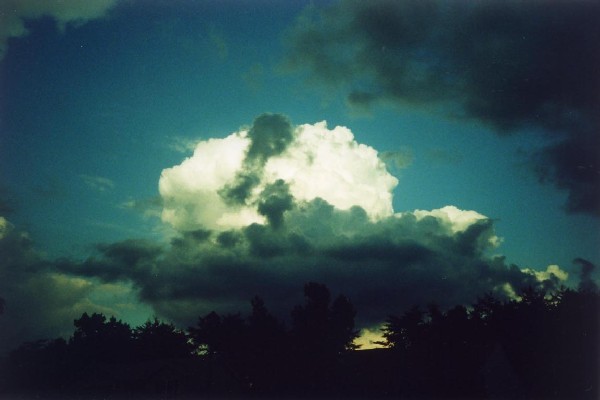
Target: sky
(170, 158)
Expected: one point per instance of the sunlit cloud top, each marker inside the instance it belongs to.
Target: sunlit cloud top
(222, 185)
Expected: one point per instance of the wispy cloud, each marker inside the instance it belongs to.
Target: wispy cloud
(98, 183)
(444, 156)
(182, 144)
(217, 39)
(398, 159)
(150, 207)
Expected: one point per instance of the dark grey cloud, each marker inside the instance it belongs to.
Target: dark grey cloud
(383, 267)
(229, 238)
(573, 164)
(508, 64)
(14, 15)
(275, 200)
(38, 301)
(586, 281)
(241, 188)
(129, 259)
(269, 136)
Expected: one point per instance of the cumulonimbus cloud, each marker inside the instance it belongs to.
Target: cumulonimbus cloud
(508, 64)
(284, 234)
(220, 186)
(270, 207)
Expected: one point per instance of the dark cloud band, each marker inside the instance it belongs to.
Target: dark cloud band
(382, 266)
(509, 64)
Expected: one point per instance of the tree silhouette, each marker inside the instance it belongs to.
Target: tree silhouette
(537, 345)
(401, 333)
(341, 323)
(223, 341)
(39, 367)
(310, 321)
(206, 333)
(98, 340)
(320, 333)
(543, 345)
(156, 340)
(267, 349)
(214, 334)
(321, 327)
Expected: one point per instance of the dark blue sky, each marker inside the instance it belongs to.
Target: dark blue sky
(96, 103)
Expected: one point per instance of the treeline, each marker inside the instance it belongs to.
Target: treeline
(540, 346)
(537, 347)
(221, 356)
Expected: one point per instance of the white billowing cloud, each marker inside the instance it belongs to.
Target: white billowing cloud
(190, 190)
(301, 186)
(331, 165)
(181, 144)
(553, 275)
(509, 291)
(551, 272)
(318, 163)
(456, 220)
(13, 14)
